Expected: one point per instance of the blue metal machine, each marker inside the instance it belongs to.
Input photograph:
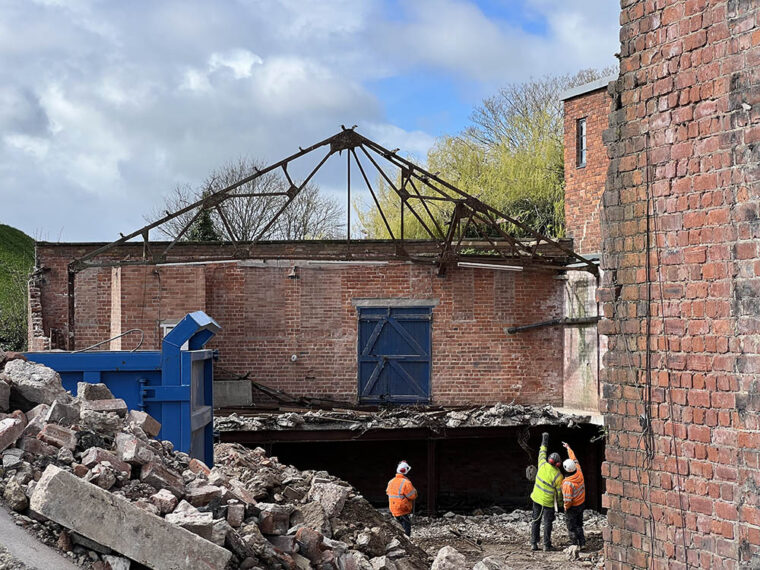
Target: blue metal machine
(173, 385)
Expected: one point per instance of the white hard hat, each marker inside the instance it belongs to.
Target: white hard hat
(403, 467)
(569, 465)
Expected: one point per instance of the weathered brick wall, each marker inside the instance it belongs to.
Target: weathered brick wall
(584, 185)
(688, 105)
(581, 358)
(267, 317)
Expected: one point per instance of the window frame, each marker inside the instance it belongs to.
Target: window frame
(581, 142)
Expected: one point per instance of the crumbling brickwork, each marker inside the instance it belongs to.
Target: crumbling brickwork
(267, 317)
(584, 185)
(683, 448)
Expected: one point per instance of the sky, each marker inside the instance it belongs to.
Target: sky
(106, 106)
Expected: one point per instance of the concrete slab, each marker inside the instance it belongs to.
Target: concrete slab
(25, 548)
(127, 529)
(232, 393)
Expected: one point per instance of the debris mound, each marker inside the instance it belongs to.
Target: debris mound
(87, 476)
(438, 421)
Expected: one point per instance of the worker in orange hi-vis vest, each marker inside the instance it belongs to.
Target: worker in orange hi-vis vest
(574, 496)
(401, 495)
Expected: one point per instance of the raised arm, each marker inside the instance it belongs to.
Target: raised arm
(542, 451)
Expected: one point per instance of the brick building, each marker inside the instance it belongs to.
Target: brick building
(295, 324)
(585, 119)
(681, 288)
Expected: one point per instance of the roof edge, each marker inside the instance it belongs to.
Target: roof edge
(587, 87)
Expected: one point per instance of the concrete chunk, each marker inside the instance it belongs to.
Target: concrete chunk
(274, 519)
(114, 522)
(332, 497)
(10, 430)
(190, 518)
(115, 405)
(87, 391)
(145, 422)
(35, 383)
(133, 450)
(62, 414)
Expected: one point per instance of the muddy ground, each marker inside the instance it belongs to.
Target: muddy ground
(506, 536)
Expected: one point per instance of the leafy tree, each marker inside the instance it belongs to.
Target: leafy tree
(16, 264)
(511, 157)
(203, 228)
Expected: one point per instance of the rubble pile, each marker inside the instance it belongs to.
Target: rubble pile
(494, 526)
(498, 415)
(87, 474)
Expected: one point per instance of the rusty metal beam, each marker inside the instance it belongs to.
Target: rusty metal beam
(465, 205)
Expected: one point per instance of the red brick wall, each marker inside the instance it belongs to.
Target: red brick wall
(689, 80)
(267, 317)
(584, 185)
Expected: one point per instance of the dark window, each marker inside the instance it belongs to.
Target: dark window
(580, 142)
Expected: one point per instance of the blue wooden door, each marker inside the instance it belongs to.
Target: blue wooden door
(394, 355)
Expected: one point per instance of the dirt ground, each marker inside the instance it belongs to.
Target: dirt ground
(506, 537)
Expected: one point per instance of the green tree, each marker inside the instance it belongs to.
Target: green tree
(203, 228)
(16, 264)
(511, 157)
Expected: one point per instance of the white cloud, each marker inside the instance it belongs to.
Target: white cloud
(105, 106)
(240, 61)
(457, 37)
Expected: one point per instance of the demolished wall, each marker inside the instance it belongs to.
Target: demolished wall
(682, 454)
(266, 318)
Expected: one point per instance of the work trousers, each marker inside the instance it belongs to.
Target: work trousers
(575, 525)
(545, 514)
(406, 523)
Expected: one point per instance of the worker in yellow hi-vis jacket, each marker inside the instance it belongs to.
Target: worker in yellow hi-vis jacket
(546, 492)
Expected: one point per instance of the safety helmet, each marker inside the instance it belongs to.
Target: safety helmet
(403, 467)
(555, 459)
(569, 465)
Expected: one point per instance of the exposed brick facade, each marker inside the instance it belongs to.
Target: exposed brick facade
(584, 185)
(687, 111)
(267, 317)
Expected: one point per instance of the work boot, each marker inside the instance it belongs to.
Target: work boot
(533, 546)
(549, 548)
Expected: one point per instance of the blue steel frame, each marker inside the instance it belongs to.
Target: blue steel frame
(174, 385)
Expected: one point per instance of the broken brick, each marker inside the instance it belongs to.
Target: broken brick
(197, 466)
(160, 477)
(34, 446)
(145, 422)
(202, 495)
(164, 500)
(95, 455)
(58, 436)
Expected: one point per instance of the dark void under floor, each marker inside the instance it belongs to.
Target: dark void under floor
(452, 473)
